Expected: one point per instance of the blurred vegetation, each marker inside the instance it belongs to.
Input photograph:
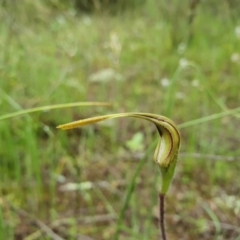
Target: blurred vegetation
(179, 59)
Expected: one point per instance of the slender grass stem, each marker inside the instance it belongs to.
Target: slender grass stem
(161, 216)
(51, 107)
(130, 190)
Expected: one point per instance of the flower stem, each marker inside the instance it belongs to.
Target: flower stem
(161, 216)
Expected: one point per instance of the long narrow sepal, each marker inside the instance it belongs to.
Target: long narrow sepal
(167, 149)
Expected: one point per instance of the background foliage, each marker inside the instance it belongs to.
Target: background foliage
(179, 59)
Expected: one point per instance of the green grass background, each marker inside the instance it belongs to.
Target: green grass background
(75, 182)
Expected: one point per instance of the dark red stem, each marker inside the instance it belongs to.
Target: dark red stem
(161, 216)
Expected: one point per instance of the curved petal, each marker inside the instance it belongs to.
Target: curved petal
(167, 149)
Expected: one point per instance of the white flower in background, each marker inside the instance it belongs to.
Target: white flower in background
(195, 83)
(181, 48)
(61, 20)
(165, 82)
(230, 202)
(237, 31)
(115, 44)
(87, 20)
(235, 57)
(183, 62)
(180, 95)
(105, 75)
(72, 12)
(159, 26)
